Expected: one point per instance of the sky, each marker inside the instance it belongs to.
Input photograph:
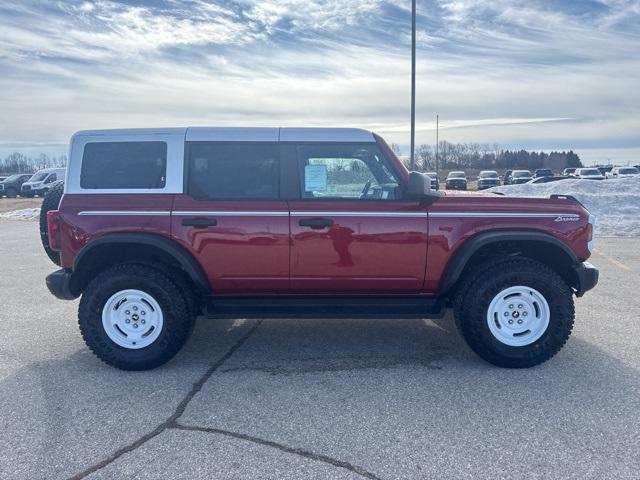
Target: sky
(520, 73)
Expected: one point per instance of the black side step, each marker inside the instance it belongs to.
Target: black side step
(308, 307)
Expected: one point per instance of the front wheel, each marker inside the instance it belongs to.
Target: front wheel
(515, 313)
(134, 317)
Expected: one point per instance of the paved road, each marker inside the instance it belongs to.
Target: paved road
(316, 398)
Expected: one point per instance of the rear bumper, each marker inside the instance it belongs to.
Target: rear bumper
(587, 276)
(59, 284)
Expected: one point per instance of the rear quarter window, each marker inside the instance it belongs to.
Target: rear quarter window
(124, 165)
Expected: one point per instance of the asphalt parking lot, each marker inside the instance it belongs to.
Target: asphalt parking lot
(316, 398)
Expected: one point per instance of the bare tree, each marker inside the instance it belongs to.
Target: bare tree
(425, 157)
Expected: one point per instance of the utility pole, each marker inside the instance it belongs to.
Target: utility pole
(413, 83)
(437, 140)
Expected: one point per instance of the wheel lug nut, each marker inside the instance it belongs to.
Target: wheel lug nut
(511, 306)
(135, 308)
(520, 306)
(143, 321)
(519, 322)
(127, 312)
(135, 325)
(143, 312)
(127, 321)
(506, 314)
(510, 322)
(524, 314)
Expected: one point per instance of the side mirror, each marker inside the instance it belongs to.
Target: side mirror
(420, 186)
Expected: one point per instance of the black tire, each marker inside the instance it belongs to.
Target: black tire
(178, 318)
(11, 193)
(485, 282)
(51, 202)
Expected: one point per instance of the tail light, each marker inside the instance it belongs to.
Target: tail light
(53, 230)
(590, 231)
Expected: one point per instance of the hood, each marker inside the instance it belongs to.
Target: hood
(470, 193)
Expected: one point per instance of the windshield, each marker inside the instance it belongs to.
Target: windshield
(629, 170)
(38, 177)
(589, 171)
(12, 178)
(488, 174)
(456, 175)
(522, 173)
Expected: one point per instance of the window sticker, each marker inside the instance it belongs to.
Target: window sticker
(315, 178)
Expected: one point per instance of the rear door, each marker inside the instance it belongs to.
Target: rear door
(351, 230)
(231, 216)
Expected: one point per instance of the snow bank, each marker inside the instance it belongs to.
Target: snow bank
(615, 202)
(24, 214)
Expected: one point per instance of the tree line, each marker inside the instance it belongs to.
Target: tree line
(482, 156)
(19, 163)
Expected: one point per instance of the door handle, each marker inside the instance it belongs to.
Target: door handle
(316, 223)
(199, 222)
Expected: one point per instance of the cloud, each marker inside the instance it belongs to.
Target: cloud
(506, 71)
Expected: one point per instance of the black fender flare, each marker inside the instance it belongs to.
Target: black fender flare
(185, 259)
(470, 246)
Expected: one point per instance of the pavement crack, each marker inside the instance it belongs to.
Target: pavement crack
(170, 422)
(269, 443)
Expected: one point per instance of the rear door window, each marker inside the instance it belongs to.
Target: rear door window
(233, 170)
(124, 165)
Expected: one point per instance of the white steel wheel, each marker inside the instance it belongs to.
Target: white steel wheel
(132, 319)
(518, 316)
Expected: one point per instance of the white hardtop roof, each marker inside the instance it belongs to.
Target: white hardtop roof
(244, 134)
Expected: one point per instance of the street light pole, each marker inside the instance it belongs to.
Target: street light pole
(413, 82)
(437, 140)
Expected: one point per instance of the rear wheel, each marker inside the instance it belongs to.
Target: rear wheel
(134, 317)
(11, 193)
(517, 313)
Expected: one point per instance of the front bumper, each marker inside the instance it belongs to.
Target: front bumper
(587, 277)
(59, 284)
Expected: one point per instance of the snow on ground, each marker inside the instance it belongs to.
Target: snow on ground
(24, 214)
(615, 203)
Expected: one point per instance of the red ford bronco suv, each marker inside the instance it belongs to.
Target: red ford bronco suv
(156, 227)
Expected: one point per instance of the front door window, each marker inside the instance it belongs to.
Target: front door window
(352, 172)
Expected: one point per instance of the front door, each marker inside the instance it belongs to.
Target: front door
(231, 217)
(351, 231)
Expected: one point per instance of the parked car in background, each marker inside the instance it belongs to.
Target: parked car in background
(488, 179)
(10, 186)
(604, 170)
(569, 172)
(555, 178)
(456, 180)
(520, 176)
(589, 174)
(542, 172)
(158, 227)
(40, 182)
(507, 177)
(621, 172)
(435, 181)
